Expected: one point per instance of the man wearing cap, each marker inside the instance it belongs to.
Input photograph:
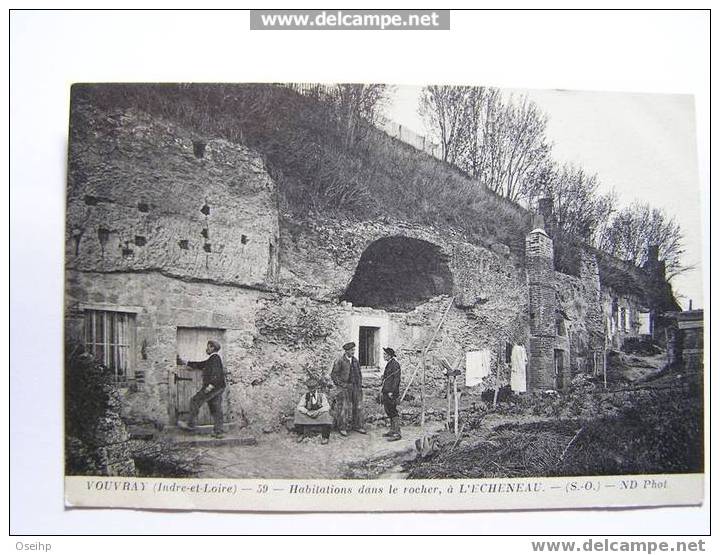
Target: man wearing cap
(390, 391)
(313, 412)
(349, 397)
(211, 391)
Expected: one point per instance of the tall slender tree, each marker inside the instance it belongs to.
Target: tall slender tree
(444, 110)
(639, 226)
(500, 142)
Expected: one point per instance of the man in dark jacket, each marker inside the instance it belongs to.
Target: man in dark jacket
(390, 391)
(211, 391)
(349, 397)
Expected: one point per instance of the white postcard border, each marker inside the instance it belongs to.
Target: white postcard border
(300, 495)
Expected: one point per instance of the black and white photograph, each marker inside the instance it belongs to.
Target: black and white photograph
(282, 281)
(359, 272)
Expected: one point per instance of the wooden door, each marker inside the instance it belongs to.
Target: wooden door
(185, 382)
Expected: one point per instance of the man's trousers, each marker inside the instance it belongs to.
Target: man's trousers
(348, 408)
(214, 401)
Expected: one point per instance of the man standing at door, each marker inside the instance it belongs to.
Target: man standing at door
(349, 397)
(211, 391)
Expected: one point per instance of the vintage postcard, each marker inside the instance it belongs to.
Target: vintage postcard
(367, 297)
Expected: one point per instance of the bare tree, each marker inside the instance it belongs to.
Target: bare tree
(522, 147)
(480, 116)
(579, 209)
(355, 104)
(639, 226)
(499, 142)
(444, 110)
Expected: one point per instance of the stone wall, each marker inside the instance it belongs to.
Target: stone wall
(592, 312)
(272, 340)
(111, 441)
(319, 256)
(163, 304)
(144, 195)
(184, 232)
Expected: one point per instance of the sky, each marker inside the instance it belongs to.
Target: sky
(643, 146)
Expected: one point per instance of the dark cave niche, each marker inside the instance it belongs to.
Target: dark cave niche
(399, 273)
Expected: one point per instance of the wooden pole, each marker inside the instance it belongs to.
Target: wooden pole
(497, 381)
(606, 343)
(449, 401)
(417, 368)
(422, 400)
(424, 365)
(455, 395)
(410, 381)
(604, 355)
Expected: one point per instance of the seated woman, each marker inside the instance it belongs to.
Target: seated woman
(313, 413)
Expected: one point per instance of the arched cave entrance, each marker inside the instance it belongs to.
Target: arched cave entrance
(398, 273)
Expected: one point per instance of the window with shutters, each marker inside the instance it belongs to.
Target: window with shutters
(110, 338)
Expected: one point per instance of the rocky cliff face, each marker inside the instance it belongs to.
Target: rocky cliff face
(185, 233)
(146, 196)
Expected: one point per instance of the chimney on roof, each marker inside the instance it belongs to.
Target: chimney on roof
(690, 305)
(653, 254)
(538, 222)
(654, 265)
(545, 209)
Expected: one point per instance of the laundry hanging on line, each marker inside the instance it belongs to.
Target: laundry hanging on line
(518, 377)
(477, 366)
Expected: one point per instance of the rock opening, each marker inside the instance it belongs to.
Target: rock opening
(399, 273)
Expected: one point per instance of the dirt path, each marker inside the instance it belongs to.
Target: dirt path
(280, 456)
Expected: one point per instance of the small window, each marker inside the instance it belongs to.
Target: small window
(560, 328)
(614, 313)
(645, 323)
(110, 337)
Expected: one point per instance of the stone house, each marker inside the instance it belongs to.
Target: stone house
(684, 336)
(173, 239)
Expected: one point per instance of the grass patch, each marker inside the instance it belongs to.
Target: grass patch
(651, 432)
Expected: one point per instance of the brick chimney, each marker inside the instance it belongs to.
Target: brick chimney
(545, 209)
(654, 265)
(541, 287)
(653, 254)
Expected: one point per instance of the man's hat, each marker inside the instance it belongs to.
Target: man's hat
(390, 351)
(348, 346)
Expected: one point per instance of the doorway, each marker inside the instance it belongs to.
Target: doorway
(185, 382)
(369, 347)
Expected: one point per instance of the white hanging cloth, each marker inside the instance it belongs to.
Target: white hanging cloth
(477, 366)
(518, 378)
